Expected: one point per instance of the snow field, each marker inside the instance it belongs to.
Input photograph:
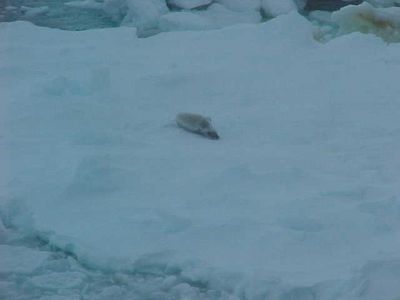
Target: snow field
(298, 200)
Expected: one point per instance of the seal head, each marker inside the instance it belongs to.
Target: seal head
(207, 130)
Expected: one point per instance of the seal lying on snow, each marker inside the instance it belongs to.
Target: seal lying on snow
(197, 124)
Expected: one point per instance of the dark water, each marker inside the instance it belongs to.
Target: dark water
(58, 15)
(329, 5)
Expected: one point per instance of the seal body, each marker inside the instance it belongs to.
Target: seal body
(197, 124)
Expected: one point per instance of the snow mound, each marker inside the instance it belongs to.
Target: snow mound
(31, 12)
(383, 22)
(145, 15)
(150, 17)
(272, 8)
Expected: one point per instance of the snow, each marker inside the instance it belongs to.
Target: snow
(383, 22)
(145, 15)
(30, 12)
(384, 3)
(240, 5)
(184, 21)
(61, 280)
(10, 7)
(381, 280)
(141, 14)
(115, 9)
(324, 17)
(275, 8)
(299, 199)
(221, 16)
(20, 259)
(151, 17)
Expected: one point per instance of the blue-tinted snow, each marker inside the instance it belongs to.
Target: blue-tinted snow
(103, 197)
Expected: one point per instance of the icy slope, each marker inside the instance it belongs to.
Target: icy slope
(301, 191)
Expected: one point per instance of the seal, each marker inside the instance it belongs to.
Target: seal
(197, 124)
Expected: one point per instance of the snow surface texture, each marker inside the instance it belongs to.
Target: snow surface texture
(298, 200)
